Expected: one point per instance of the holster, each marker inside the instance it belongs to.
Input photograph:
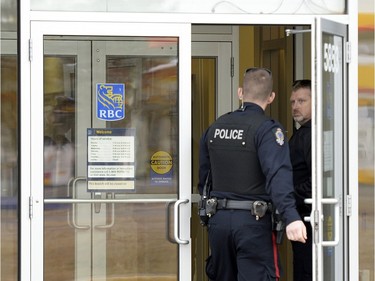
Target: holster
(278, 226)
(202, 211)
(202, 204)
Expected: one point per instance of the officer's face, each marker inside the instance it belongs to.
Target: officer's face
(300, 101)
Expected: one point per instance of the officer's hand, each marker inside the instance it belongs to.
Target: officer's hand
(296, 231)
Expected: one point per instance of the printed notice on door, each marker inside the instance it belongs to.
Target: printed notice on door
(110, 159)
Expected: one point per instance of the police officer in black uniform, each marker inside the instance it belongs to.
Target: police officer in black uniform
(300, 156)
(249, 163)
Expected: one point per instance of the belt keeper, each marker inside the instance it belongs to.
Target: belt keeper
(224, 202)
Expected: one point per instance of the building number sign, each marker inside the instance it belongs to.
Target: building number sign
(331, 58)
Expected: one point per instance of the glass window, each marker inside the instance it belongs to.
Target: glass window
(9, 138)
(366, 140)
(89, 154)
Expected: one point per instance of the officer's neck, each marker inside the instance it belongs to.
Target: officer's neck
(248, 104)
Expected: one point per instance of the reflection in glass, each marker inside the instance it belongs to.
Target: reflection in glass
(366, 141)
(150, 108)
(121, 241)
(59, 134)
(137, 247)
(9, 16)
(9, 138)
(59, 125)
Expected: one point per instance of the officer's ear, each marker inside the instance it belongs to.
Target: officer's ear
(240, 93)
(271, 98)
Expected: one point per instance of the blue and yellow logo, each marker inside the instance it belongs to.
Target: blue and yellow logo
(110, 101)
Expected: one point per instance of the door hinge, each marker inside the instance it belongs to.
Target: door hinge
(30, 49)
(232, 67)
(31, 207)
(348, 52)
(348, 205)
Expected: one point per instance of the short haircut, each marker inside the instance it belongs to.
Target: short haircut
(257, 83)
(304, 83)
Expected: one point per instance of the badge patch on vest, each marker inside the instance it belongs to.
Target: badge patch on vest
(279, 136)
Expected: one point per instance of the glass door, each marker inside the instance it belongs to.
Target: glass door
(110, 193)
(329, 216)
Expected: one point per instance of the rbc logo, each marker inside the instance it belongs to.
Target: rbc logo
(110, 99)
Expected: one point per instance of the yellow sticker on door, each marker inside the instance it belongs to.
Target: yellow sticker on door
(161, 169)
(161, 162)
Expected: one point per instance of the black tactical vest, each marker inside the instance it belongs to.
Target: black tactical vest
(234, 162)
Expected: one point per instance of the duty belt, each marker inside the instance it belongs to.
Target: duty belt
(257, 208)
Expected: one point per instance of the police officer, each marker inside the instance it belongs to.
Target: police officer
(248, 159)
(300, 155)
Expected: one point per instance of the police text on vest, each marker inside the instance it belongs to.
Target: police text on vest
(228, 134)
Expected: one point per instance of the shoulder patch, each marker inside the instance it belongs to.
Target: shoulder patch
(279, 136)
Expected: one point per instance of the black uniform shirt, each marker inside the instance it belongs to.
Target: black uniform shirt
(300, 155)
(274, 158)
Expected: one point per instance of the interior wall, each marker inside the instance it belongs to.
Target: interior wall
(246, 49)
(268, 46)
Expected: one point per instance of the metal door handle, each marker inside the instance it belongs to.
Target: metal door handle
(72, 217)
(112, 220)
(112, 223)
(167, 226)
(308, 201)
(332, 201)
(176, 224)
(73, 220)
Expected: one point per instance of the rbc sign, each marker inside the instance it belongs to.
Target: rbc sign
(110, 101)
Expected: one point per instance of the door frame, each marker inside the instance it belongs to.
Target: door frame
(218, 50)
(318, 218)
(36, 198)
(30, 204)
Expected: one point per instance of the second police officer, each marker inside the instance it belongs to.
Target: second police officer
(246, 154)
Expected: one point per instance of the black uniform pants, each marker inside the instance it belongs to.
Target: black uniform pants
(242, 248)
(302, 257)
